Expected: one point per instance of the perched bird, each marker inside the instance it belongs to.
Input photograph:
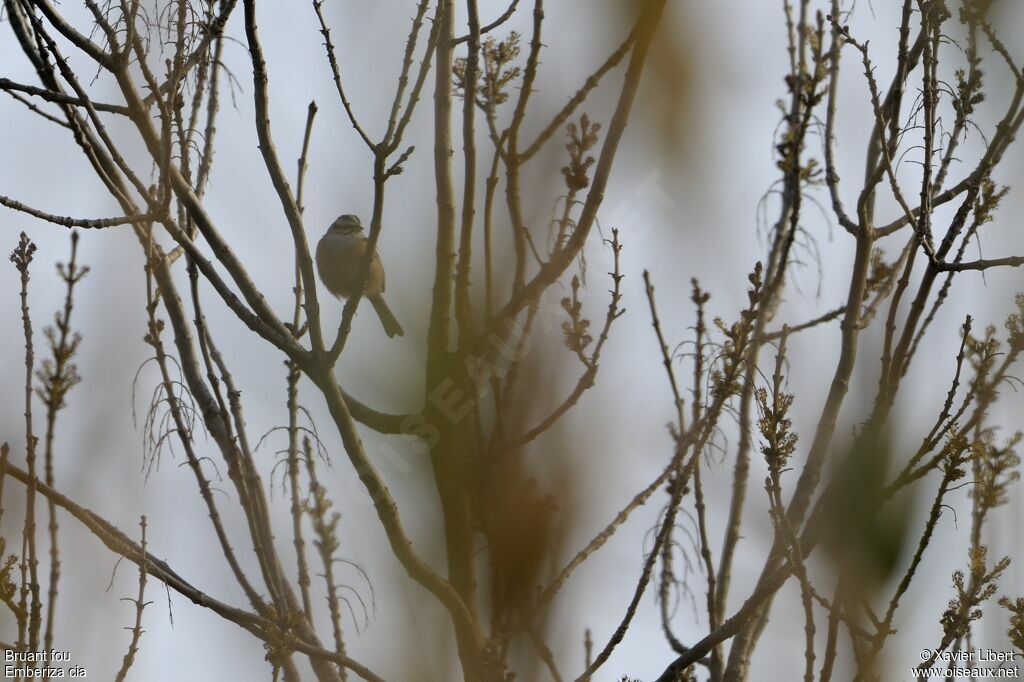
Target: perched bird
(338, 257)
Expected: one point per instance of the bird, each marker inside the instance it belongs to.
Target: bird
(339, 253)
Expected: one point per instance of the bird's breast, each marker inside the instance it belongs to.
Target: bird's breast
(337, 260)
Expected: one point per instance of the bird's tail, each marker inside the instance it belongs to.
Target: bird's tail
(387, 318)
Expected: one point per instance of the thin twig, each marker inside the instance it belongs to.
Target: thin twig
(140, 605)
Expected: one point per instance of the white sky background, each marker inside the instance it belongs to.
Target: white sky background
(686, 210)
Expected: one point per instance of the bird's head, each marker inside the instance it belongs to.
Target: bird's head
(346, 224)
